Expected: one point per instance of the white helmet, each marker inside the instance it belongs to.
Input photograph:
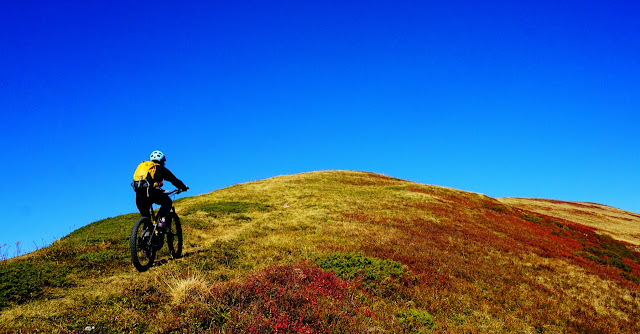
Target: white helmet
(157, 156)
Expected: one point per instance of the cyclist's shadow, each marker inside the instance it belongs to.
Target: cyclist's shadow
(169, 259)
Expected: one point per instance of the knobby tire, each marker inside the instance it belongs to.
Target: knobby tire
(142, 255)
(174, 237)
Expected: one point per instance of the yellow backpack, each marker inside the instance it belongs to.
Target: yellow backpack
(145, 172)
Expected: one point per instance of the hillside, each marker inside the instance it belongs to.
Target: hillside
(335, 252)
(619, 224)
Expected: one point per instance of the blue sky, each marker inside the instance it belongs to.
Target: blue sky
(505, 98)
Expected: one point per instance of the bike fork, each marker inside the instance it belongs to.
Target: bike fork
(152, 237)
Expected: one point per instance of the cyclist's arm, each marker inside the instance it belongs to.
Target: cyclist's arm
(174, 180)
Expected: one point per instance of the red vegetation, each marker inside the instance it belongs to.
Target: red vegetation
(468, 245)
(290, 299)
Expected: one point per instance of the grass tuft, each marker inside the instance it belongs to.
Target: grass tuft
(190, 289)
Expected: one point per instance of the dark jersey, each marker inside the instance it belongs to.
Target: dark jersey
(163, 173)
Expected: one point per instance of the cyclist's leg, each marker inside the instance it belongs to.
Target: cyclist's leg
(165, 208)
(165, 203)
(144, 204)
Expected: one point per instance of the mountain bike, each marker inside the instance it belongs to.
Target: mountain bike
(147, 239)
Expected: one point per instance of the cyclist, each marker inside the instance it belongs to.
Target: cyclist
(149, 191)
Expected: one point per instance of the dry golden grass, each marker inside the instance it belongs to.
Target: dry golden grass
(606, 297)
(95, 289)
(619, 224)
(187, 288)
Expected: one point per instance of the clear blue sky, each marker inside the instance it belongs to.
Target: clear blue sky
(506, 98)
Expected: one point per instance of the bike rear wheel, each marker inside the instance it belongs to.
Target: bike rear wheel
(174, 237)
(140, 245)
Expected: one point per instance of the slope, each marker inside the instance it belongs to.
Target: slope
(333, 252)
(619, 224)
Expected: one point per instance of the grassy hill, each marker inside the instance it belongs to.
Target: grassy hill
(619, 224)
(338, 252)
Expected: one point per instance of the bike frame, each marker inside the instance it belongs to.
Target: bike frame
(153, 215)
(146, 240)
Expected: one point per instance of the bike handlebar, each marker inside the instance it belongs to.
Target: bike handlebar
(175, 191)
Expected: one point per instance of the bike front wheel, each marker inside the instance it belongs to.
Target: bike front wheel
(141, 245)
(174, 237)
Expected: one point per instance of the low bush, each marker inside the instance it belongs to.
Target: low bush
(382, 277)
(630, 277)
(592, 257)
(297, 298)
(416, 321)
(27, 280)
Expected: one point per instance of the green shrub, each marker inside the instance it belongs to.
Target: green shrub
(242, 218)
(559, 234)
(415, 321)
(630, 277)
(532, 218)
(376, 275)
(592, 257)
(26, 280)
(617, 262)
(348, 266)
(610, 252)
(495, 207)
(615, 247)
